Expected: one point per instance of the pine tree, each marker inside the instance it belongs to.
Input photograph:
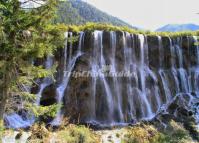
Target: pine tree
(26, 33)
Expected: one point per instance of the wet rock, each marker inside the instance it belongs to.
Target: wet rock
(154, 53)
(185, 51)
(48, 96)
(168, 56)
(180, 111)
(18, 136)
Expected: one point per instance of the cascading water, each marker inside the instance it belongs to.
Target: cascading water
(154, 79)
(15, 121)
(142, 71)
(117, 92)
(162, 73)
(18, 121)
(114, 110)
(46, 81)
(97, 66)
(139, 96)
(68, 67)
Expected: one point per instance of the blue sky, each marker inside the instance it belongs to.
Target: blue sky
(151, 14)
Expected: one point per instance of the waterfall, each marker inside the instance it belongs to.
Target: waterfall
(116, 84)
(116, 100)
(158, 71)
(46, 81)
(98, 35)
(179, 55)
(143, 95)
(165, 83)
(160, 51)
(127, 65)
(173, 62)
(68, 67)
(15, 121)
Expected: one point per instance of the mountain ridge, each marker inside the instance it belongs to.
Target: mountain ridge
(178, 27)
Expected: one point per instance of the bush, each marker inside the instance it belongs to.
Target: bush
(108, 27)
(77, 134)
(174, 133)
(141, 134)
(69, 134)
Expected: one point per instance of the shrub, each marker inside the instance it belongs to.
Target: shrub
(77, 134)
(141, 134)
(108, 27)
(174, 133)
(69, 134)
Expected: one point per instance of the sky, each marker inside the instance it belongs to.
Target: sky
(151, 14)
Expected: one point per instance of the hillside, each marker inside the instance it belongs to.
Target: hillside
(178, 27)
(79, 12)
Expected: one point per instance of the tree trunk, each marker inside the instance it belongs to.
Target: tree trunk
(3, 98)
(2, 110)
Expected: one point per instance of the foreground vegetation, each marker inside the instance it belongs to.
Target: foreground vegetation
(140, 133)
(173, 133)
(68, 134)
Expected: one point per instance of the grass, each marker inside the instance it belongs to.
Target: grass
(140, 133)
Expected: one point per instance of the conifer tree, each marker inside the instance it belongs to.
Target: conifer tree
(26, 33)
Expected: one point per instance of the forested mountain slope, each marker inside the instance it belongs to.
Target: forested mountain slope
(79, 12)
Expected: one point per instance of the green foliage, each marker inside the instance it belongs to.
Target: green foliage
(26, 33)
(44, 111)
(174, 133)
(79, 12)
(107, 27)
(2, 129)
(197, 43)
(67, 14)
